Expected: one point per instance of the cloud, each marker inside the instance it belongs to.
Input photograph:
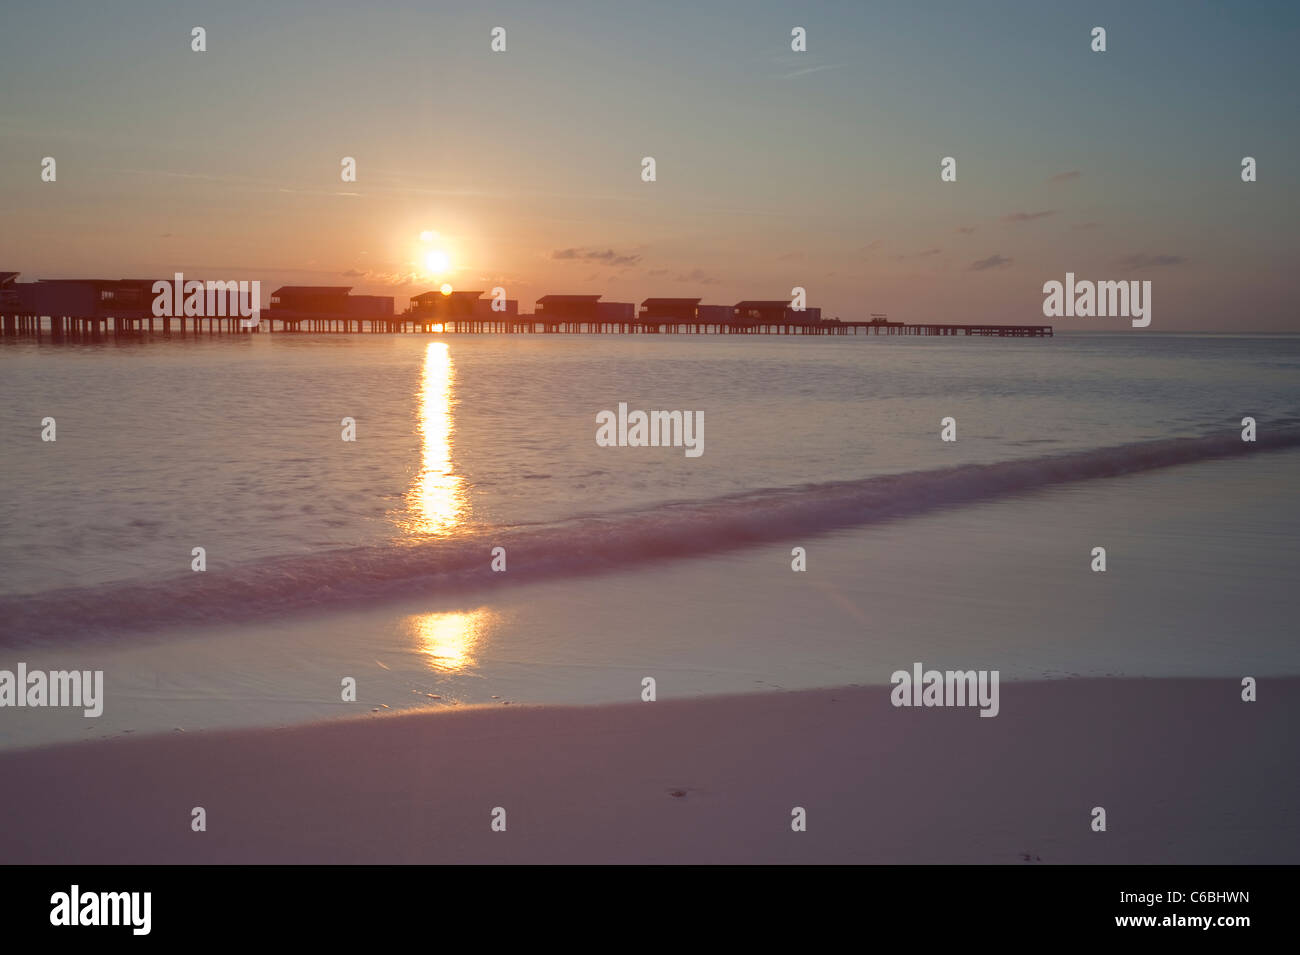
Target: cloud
(1027, 216)
(965, 229)
(388, 279)
(511, 282)
(919, 255)
(1085, 225)
(813, 69)
(608, 257)
(696, 277)
(1141, 260)
(655, 273)
(790, 257)
(994, 261)
(1065, 176)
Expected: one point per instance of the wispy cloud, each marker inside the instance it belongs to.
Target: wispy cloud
(390, 279)
(244, 183)
(608, 256)
(1065, 176)
(212, 269)
(965, 229)
(1141, 260)
(994, 261)
(696, 277)
(813, 69)
(1028, 216)
(1083, 226)
(919, 255)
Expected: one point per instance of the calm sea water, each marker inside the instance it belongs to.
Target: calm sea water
(235, 444)
(319, 550)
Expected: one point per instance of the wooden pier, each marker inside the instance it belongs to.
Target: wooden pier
(94, 309)
(96, 327)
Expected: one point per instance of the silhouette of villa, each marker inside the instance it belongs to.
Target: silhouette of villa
(674, 310)
(91, 307)
(774, 312)
(325, 307)
(437, 307)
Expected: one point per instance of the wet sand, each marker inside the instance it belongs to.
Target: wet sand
(1186, 771)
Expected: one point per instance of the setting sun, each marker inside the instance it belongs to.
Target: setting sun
(436, 262)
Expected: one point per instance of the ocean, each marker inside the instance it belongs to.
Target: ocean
(372, 559)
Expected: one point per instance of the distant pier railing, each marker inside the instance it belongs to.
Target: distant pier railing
(82, 327)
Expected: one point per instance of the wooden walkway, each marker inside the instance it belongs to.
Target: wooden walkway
(98, 327)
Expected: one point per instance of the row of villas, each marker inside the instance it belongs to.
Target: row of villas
(95, 305)
(439, 307)
(92, 306)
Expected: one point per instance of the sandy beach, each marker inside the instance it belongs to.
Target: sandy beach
(1187, 773)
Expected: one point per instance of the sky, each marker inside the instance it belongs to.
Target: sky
(774, 168)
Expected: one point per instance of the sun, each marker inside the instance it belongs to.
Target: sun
(436, 262)
(446, 289)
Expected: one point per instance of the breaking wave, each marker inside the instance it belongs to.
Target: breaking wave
(582, 545)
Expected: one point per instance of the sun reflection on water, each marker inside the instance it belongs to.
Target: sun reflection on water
(451, 641)
(436, 498)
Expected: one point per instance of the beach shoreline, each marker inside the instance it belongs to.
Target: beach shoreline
(1203, 598)
(1187, 772)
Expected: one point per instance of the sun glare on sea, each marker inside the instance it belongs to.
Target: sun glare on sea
(450, 641)
(437, 496)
